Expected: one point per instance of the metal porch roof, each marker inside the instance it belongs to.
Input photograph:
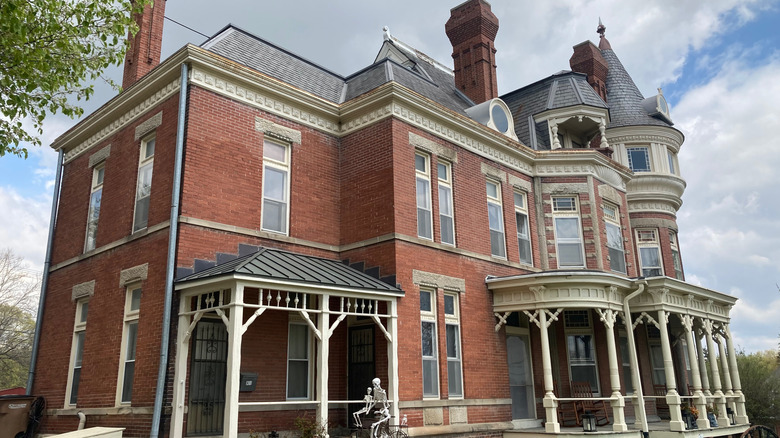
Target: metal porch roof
(276, 264)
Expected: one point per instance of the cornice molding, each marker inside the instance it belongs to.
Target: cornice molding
(646, 134)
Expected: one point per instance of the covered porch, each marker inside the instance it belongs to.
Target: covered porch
(254, 342)
(646, 375)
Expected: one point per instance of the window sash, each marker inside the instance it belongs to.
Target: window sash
(424, 214)
(650, 261)
(638, 159)
(430, 361)
(142, 195)
(128, 372)
(582, 359)
(496, 225)
(617, 256)
(454, 371)
(568, 240)
(92, 218)
(446, 218)
(298, 364)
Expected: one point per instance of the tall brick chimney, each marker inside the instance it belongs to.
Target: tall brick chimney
(472, 30)
(587, 59)
(146, 47)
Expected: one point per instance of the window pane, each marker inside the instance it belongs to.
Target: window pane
(141, 214)
(519, 201)
(564, 204)
(617, 260)
(430, 378)
(495, 219)
(447, 230)
(420, 163)
(570, 254)
(425, 301)
(452, 342)
(449, 305)
(424, 227)
(445, 200)
(144, 181)
(92, 219)
(84, 311)
(567, 228)
(443, 171)
(274, 184)
(614, 237)
(638, 159)
(127, 384)
(581, 349)
(274, 151)
(74, 386)
(650, 257)
(423, 193)
(100, 173)
(150, 144)
(525, 250)
(454, 379)
(274, 216)
(132, 335)
(428, 346)
(79, 349)
(298, 342)
(297, 379)
(135, 299)
(492, 190)
(497, 245)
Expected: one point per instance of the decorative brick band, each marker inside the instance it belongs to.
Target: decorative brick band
(493, 172)
(134, 274)
(148, 125)
(99, 156)
(83, 290)
(431, 146)
(277, 131)
(438, 281)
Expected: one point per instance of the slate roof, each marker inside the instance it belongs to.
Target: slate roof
(563, 89)
(624, 98)
(276, 264)
(249, 50)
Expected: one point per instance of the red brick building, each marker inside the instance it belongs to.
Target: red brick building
(244, 238)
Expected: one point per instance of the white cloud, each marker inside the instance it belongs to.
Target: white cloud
(25, 225)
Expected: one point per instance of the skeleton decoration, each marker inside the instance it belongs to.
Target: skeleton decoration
(375, 399)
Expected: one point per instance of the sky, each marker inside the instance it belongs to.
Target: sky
(718, 62)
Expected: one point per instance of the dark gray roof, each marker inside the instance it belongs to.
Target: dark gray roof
(623, 96)
(276, 264)
(253, 52)
(560, 90)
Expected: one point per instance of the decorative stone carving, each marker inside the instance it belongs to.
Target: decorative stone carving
(519, 183)
(277, 131)
(134, 274)
(99, 156)
(82, 290)
(148, 125)
(493, 172)
(432, 147)
(438, 281)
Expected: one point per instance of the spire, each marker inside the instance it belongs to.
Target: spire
(603, 43)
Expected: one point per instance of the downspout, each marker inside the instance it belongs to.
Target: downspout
(170, 268)
(45, 278)
(633, 357)
(82, 420)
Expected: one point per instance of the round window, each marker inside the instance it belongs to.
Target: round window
(498, 115)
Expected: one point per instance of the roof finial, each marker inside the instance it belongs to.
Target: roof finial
(386, 33)
(601, 29)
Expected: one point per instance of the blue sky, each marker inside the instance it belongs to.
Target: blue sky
(718, 63)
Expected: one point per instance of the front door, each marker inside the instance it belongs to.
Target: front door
(361, 364)
(208, 374)
(521, 387)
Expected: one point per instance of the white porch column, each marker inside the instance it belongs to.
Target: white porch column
(618, 403)
(724, 362)
(234, 325)
(550, 402)
(720, 400)
(739, 413)
(700, 402)
(672, 397)
(705, 378)
(392, 360)
(180, 370)
(322, 362)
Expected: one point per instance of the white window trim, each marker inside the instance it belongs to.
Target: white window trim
(615, 222)
(78, 327)
(430, 317)
(295, 320)
(498, 202)
(654, 243)
(446, 183)
(648, 154)
(523, 210)
(568, 214)
(97, 185)
(141, 163)
(454, 320)
(671, 158)
(130, 316)
(285, 167)
(676, 260)
(425, 176)
(584, 331)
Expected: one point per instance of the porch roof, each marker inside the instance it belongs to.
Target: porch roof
(277, 265)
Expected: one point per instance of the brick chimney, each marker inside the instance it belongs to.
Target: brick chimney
(472, 30)
(146, 47)
(587, 59)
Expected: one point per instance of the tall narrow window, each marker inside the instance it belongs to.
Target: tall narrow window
(496, 220)
(649, 252)
(454, 369)
(638, 159)
(678, 274)
(77, 351)
(298, 361)
(568, 233)
(670, 158)
(446, 215)
(628, 382)
(424, 215)
(144, 185)
(129, 341)
(520, 367)
(276, 186)
(617, 257)
(523, 235)
(94, 207)
(581, 347)
(430, 361)
(656, 355)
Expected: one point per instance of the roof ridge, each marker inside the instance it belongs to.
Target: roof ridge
(250, 257)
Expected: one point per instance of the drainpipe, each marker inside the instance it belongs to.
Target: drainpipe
(45, 278)
(169, 272)
(641, 283)
(82, 420)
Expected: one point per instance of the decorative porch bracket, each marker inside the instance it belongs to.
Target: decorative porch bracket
(644, 316)
(252, 319)
(305, 316)
(335, 324)
(194, 322)
(501, 319)
(387, 334)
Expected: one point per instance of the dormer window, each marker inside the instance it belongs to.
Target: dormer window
(656, 106)
(494, 114)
